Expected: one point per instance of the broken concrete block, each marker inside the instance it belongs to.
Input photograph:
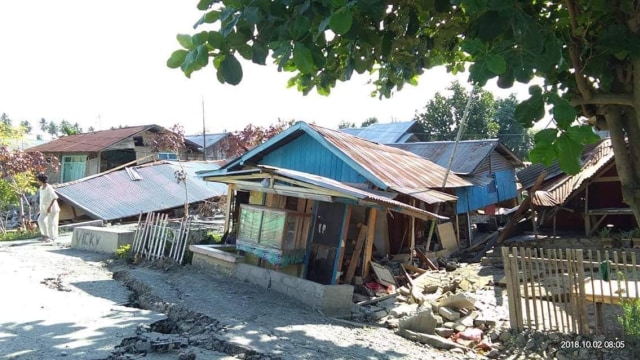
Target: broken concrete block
(432, 340)
(449, 314)
(468, 320)
(377, 315)
(458, 301)
(422, 322)
(449, 324)
(459, 328)
(444, 332)
(403, 310)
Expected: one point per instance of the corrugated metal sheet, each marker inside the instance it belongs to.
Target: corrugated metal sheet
(528, 175)
(594, 160)
(211, 139)
(90, 142)
(544, 198)
(469, 155)
(387, 167)
(114, 195)
(395, 167)
(383, 133)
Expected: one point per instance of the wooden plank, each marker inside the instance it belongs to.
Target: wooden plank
(343, 245)
(415, 269)
(447, 236)
(384, 275)
(511, 297)
(519, 214)
(523, 266)
(355, 257)
(532, 282)
(426, 260)
(378, 299)
(371, 224)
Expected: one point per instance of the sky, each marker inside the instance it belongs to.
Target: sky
(103, 64)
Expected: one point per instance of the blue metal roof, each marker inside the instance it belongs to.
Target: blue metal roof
(211, 139)
(387, 133)
(115, 195)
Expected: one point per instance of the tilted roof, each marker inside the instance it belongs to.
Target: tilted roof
(145, 188)
(468, 156)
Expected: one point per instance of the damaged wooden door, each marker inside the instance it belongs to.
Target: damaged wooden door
(325, 242)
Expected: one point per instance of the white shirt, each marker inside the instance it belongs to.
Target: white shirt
(47, 195)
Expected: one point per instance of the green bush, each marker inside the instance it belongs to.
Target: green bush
(630, 319)
(14, 235)
(124, 251)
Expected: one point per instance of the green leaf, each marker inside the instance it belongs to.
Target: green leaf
(341, 21)
(546, 137)
(205, 4)
(200, 38)
(231, 69)
(324, 24)
(215, 39)
(532, 109)
(208, 18)
(582, 134)
(303, 59)
(202, 56)
(259, 53)
(252, 14)
(185, 41)
(564, 113)
(542, 155)
(568, 152)
(245, 51)
(176, 59)
(473, 47)
(496, 64)
(228, 27)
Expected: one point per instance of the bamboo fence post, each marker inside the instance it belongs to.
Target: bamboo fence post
(525, 284)
(186, 241)
(532, 282)
(511, 284)
(626, 274)
(635, 271)
(551, 304)
(582, 306)
(564, 319)
(541, 278)
(593, 290)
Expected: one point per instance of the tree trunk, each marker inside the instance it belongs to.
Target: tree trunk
(623, 122)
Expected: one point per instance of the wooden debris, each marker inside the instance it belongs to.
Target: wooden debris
(353, 263)
(383, 275)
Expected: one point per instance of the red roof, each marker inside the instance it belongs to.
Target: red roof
(90, 142)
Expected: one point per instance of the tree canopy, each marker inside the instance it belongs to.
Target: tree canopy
(488, 118)
(587, 52)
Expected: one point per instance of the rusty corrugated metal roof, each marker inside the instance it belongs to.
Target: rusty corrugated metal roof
(383, 133)
(90, 142)
(469, 154)
(594, 159)
(397, 168)
(115, 195)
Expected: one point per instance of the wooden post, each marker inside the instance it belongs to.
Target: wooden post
(342, 246)
(351, 270)
(511, 284)
(587, 218)
(582, 302)
(371, 224)
(227, 208)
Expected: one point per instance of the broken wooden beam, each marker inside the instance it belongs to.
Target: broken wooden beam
(355, 257)
(425, 259)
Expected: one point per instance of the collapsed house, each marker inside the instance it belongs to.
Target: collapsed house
(125, 194)
(488, 165)
(586, 201)
(319, 204)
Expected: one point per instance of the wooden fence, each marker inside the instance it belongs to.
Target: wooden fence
(569, 291)
(153, 234)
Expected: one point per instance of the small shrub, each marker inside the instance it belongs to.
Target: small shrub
(15, 235)
(124, 251)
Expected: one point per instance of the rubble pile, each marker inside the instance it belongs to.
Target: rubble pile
(446, 310)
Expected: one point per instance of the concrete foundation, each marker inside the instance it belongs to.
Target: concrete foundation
(100, 239)
(215, 257)
(331, 300)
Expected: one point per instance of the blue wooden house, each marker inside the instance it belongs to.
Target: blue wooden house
(318, 203)
(488, 164)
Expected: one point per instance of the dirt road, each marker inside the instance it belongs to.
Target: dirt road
(61, 302)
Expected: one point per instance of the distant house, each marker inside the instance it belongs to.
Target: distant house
(588, 200)
(95, 152)
(213, 145)
(318, 203)
(387, 133)
(488, 164)
(124, 194)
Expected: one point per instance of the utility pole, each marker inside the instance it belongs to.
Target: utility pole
(204, 134)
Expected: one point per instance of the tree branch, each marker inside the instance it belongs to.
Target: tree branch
(609, 99)
(581, 81)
